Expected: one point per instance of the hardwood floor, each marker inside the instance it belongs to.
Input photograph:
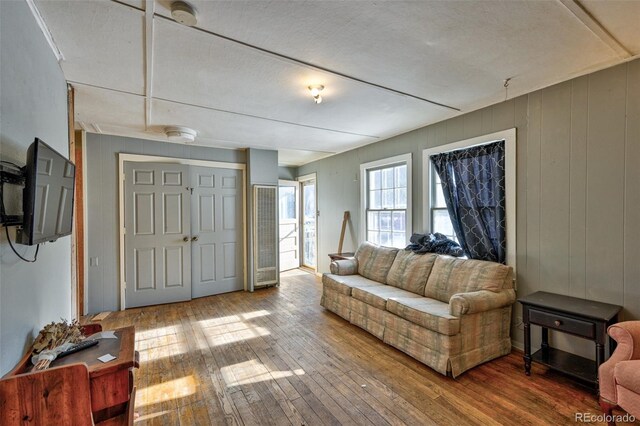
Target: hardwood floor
(277, 357)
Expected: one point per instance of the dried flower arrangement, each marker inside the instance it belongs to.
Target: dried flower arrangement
(53, 339)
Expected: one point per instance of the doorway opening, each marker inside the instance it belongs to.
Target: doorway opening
(309, 222)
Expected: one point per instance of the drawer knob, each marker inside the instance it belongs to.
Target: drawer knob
(558, 323)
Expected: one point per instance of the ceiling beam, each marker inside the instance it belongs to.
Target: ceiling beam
(148, 50)
(596, 27)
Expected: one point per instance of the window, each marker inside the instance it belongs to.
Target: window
(386, 201)
(440, 220)
(436, 216)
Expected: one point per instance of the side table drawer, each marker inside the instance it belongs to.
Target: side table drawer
(578, 327)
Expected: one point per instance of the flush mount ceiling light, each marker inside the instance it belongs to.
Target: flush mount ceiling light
(315, 92)
(180, 134)
(183, 13)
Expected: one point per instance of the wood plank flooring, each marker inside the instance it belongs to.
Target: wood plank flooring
(276, 357)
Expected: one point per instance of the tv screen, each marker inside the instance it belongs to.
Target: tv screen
(48, 195)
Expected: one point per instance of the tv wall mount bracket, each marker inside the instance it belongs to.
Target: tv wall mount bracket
(11, 175)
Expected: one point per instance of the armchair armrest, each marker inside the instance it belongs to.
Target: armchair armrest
(344, 267)
(628, 349)
(480, 301)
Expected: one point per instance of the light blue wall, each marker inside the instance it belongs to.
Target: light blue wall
(33, 102)
(102, 287)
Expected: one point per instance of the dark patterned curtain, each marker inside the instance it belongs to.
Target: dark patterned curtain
(473, 183)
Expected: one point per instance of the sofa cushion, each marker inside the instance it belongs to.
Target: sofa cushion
(378, 295)
(344, 283)
(429, 313)
(451, 275)
(375, 261)
(410, 271)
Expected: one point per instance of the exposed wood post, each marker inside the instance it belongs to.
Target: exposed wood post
(345, 219)
(77, 238)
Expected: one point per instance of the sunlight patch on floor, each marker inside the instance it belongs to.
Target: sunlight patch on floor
(253, 371)
(212, 322)
(161, 342)
(219, 337)
(172, 389)
(151, 416)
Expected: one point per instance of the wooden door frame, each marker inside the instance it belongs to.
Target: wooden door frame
(77, 155)
(139, 158)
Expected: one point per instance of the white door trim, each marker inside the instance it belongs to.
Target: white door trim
(138, 158)
(302, 179)
(296, 184)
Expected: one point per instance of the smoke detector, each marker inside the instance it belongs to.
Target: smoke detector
(180, 134)
(183, 13)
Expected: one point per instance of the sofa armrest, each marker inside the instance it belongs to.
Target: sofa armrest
(344, 267)
(627, 335)
(480, 301)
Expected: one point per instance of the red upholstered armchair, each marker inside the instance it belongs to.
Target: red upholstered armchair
(620, 375)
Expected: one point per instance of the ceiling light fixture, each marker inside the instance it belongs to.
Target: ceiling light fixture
(183, 13)
(315, 92)
(180, 134)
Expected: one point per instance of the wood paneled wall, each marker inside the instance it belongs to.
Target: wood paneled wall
(578, 189)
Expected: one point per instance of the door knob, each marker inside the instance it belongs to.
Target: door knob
(185, 239)
(194, 238)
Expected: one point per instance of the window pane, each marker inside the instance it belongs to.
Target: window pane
(387, 178)
(374, 179)
(372, 237)
(373, 221)
(401, 198)
(442, 223)
(401, 176)
(374, 200)
(385, 221)
(387, 198)
(399, 239)
(385, 239)
(287, 196)
(438, 199)
(399, 219)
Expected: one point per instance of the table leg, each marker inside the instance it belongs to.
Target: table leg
(599, 361)
(545, 338)
(527, 349)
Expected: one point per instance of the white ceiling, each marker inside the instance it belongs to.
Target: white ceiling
(240, 78)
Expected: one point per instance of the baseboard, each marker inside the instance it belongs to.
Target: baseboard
(517, 344)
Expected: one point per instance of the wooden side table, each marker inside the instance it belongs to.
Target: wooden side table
(578, 317)
(111, 383)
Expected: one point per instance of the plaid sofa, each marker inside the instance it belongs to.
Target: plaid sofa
(451, 314)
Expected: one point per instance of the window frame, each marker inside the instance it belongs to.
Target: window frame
(509, 137)
(403, 159)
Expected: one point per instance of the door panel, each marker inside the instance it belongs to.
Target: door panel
(157, 215)
(288, 199)
(217, 224)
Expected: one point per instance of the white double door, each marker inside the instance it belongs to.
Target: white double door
(183, 232)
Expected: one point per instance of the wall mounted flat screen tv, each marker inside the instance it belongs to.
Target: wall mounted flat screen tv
(48, 195)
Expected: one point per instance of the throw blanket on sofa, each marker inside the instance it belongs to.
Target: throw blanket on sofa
(434, 243)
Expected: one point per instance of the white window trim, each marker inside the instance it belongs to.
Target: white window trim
(509, 137)
(403, 158)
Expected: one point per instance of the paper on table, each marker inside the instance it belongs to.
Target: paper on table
(104, 335)
(106, 358)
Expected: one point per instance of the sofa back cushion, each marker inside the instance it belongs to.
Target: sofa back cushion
(375, 261)
(410, 271)
(451, 275)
